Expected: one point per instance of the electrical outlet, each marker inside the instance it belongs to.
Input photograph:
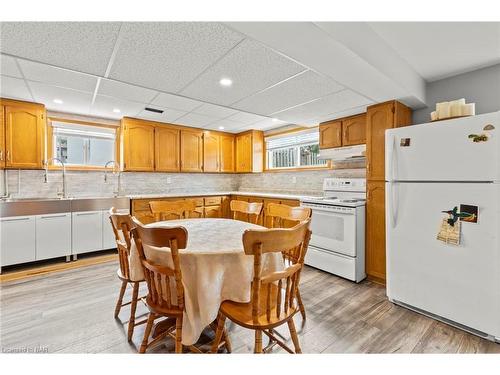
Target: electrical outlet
(294, 180)
(169, 180)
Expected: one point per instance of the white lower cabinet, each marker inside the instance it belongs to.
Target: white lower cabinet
(53, 235)
(17, 242)
(86, 231)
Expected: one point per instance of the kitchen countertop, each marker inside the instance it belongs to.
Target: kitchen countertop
(214, 193)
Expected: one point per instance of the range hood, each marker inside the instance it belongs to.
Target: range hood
(348, 153)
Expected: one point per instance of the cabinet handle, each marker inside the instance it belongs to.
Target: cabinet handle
(17, 219)
(87, 213)
(53, 217)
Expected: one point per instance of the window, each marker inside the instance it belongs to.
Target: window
(294, 150)
(83, 145)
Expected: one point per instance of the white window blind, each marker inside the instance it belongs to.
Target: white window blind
(292, 139)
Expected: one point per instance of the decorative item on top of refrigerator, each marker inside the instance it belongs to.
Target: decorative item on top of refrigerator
(453, 109)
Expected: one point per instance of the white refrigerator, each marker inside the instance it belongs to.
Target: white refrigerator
(431, 168)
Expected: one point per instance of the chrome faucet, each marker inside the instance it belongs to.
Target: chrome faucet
(115, 166)
(63, 174)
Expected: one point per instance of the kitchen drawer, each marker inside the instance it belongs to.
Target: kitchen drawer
(212, 201)
(198, 200)
(18, 242)
(53, 235)
(86, 231)
(141, 205)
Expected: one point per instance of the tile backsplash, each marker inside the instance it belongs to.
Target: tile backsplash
(30, 183)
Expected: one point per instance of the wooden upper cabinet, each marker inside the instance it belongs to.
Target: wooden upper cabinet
(354, 130)
(226, 144)
(250, 152)
(211, 152)
(244, 152)
(191, 150)
(2, 137)
(379, 118)
(330, 134)
(24, 135)
(167, 149)
(375, 230)
(139, 145)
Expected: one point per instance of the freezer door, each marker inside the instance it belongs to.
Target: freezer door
(443, 151)
(460, 283)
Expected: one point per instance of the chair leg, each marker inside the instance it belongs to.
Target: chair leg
(133, 307)
(301, 305)
(221, 319)
(120, 298)
(258, 341)
(178, 335)
(147, 332)
(293, 334)
(227, 341)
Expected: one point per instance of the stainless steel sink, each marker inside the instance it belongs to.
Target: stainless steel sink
(39, 206)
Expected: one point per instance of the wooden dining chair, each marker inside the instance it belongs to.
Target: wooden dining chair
(246, 210)
(165, 288)
(273, 296)
(122, 225)
(281, 215)
(164, 210)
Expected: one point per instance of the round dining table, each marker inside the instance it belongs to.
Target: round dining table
(214, 268)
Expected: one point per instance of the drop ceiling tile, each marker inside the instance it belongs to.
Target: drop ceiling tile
(297, 90)
(125, 91)
(214, 110)
(14, 88)
(251, 66)
(340, 101)
(168, 115)
(245, 118)
(193, 119)
(104, 105)
(176, 102)
(168, 55)
(8, 67)
(57, 76)
(340, 114)
(81, 46)
(227, 124)
(77, 102)
(268, 123)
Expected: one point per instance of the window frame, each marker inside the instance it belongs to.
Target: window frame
(50, 144)
(327, 166)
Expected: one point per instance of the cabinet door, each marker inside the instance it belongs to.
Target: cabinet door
(191, 151)
(330, 134)
(354, 130)
(167, 149)
(23, 136)
(213, 211)
(2, 137)
(17, 241)
(226, 153)
(139, 143)
(375, 230)
(244, 153)
(211, 152)
(86, 231)
(379, 118)
(53, 235)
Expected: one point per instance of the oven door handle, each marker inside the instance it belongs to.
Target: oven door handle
(324, 209)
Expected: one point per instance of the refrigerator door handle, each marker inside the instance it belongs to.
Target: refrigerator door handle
(393, 203)
(392, 159)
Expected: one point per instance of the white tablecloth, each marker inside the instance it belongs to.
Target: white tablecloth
(214, 268)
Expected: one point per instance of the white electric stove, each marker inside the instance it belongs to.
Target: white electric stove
(338, 228)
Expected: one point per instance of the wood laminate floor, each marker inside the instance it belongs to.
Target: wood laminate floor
(72, 312)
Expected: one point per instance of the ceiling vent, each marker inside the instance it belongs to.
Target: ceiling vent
(153, 110)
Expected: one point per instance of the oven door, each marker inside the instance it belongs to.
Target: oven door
(334, 229)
